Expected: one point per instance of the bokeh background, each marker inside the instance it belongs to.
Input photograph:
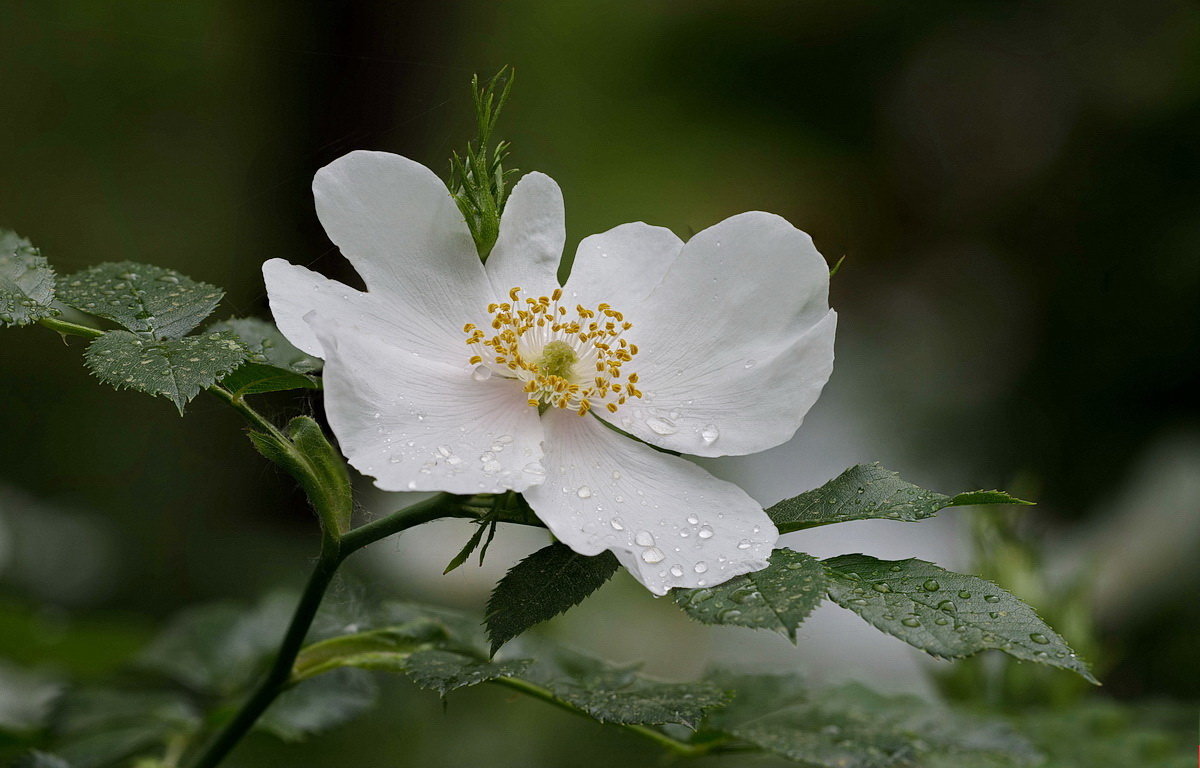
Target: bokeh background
(1015, 188)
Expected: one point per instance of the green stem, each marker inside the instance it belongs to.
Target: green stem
(682, 748)
(333, 553)
(70, 329)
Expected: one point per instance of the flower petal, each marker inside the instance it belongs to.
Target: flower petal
(736, 342)
(294, 291)
(420, 425)
(532, 232)
(667, 520)
(396, 222)
(621, 266)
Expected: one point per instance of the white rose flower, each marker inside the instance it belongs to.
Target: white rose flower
(451, 375)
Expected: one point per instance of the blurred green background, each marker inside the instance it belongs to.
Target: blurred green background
(1015, 188)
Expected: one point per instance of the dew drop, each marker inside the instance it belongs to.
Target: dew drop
(481, 373)
(653, 555)
(709, 434)
(964, 594)
(644, 539)
(661, 426)
(584, 492)
(1039, 638)
(931, 585)
(706, 532)
(881, 586)
(991, 598)
(744, 544)
(692, 519)
(700, 567)
(676, 571)
(910, 621)
(617, 524)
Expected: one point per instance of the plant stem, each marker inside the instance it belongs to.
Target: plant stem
(70, 329)
(333, 552)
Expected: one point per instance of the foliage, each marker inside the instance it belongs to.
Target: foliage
(26, 281)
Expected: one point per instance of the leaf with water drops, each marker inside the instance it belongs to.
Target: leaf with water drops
(779, 597)
(646, 702)
(850, 726)
(946, 614)
(159, 302)
(26, 282)
(176, 369)
(542, 586)
(274, 364)
(445, 671)
(868, 491)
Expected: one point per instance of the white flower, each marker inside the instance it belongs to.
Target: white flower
(450, 375)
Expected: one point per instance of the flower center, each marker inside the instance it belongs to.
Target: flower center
(565, 359)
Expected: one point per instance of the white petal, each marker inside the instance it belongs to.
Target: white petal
(621, 266)
(736, 342)
(532, 233)
(395, 221)
(294, 292)
(420, 425)
(667, 520)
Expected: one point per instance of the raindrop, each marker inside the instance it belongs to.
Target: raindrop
(964, 594)
(744, 544)
(676, 571)
(617, 524)
(709, 434)
(910, 621)
(692, 519)
(661, 426)
(1039, 638)
(584, 492)
(991, 598)
(644, 539)
(750, 363)
(481, 373)
(706, 532)
(700, 567)
(881, 586)
(653, 555)
(729, 614)
(931, 585)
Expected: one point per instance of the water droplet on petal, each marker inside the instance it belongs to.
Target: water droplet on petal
(700, 567)
(644, 539)
(661, 426)
(750, 363)
(706, 532)
(584, 492)
(692, 519)
(617, 524)
(481, 373)
(676, 571)
(744, 544)
(709, 434)
(653, 555)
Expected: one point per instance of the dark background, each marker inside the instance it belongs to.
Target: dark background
(1015, 187)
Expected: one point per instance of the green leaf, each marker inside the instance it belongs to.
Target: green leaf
(444, 671)
(386, 648)
(318, 705)
(868, 491)
(852, 727)
(218, 649)
(140, 297)
(173, 368)
(779, 597)
(25, 698)
(26, 282)
(256, 379)
(541, 586)
(948, 615)
(94, 728)
(319, 468)
(267, 344)
(646, 703)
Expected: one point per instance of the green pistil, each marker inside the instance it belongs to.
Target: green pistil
(558, 359)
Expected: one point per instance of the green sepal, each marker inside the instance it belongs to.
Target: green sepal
(258, 378)
(321, 471)
(779, 597)
(866, 492)
(26, 282)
